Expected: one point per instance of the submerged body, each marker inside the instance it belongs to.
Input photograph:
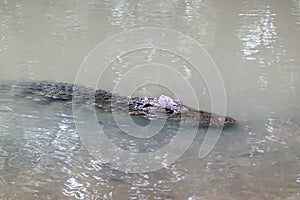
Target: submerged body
(150, 108)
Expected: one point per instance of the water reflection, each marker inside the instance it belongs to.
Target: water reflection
(198, 19)
(130, 14)
(6, 33)
(265, 46)
(258, 33)
(68, 24)
(296, 12)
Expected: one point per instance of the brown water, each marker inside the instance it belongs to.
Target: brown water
(255, 46)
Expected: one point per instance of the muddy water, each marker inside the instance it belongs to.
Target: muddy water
(255, 46)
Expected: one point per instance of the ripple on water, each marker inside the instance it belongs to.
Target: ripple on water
(37, 149)
(297, 178)
(45, 155)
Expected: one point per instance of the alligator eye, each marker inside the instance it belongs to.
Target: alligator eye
(146, 105)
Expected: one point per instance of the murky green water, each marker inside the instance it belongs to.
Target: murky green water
(255, 45)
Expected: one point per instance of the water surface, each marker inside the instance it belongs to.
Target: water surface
(255, 45)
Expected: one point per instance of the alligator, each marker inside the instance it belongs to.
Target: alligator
(150, 108)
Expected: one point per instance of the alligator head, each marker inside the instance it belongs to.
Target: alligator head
(166, 107)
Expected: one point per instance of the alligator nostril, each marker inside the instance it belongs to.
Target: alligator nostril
(222, 119)
(168, 110)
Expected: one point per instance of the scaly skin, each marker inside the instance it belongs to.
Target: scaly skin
(150, 108)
